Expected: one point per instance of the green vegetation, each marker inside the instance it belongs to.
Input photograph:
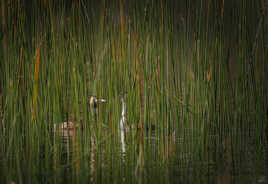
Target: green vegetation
(196, 71)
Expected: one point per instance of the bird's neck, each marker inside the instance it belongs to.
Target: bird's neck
(123, 109)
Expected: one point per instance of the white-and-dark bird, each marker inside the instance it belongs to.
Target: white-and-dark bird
(123, 113)
(94, 104)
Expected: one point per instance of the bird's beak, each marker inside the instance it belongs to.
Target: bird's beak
(101, 100)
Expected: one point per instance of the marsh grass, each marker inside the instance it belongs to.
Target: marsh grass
(183, 70)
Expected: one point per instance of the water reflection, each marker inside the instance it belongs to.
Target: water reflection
(122, 125)
(224, 171)
(77, 153)
(173, 158)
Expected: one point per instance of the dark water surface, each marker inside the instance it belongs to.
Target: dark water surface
(170, 159)
(77, 158)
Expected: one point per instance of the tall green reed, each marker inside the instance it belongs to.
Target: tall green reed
(184, 74)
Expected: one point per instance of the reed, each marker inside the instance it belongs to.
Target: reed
(194, 80)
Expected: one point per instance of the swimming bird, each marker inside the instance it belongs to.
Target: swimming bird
(124, 124)
(93, 101)
(123, 113)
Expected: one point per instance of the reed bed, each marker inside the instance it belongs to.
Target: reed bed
(194, 74)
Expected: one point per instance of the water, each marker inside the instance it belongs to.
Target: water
(169, 159)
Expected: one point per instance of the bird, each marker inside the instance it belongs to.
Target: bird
(125, 125)
(93, 101)
(72, 124)
(123, 113)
